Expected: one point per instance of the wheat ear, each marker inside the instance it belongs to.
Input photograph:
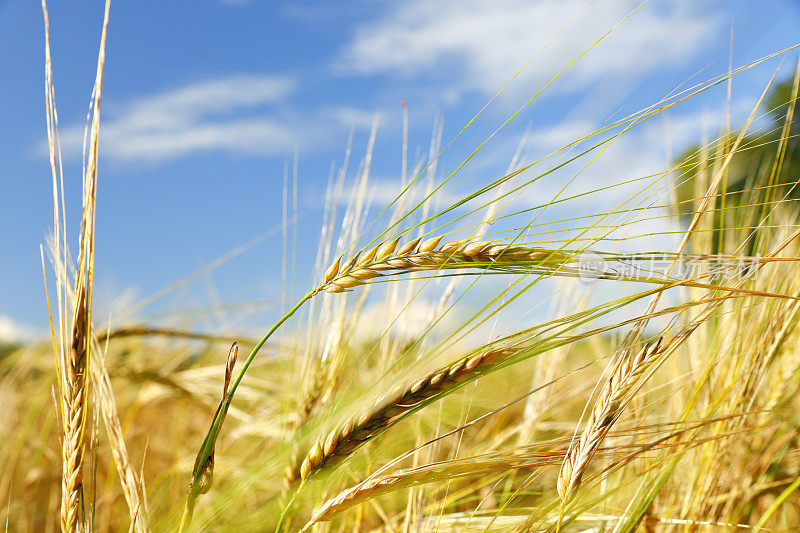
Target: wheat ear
(607, 409)
(389, 259)
(392, 258)
(72, 347)
(343, 440)
(73, 398)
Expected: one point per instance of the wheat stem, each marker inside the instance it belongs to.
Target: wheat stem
(199, 483)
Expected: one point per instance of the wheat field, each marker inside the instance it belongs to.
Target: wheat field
(467, 364)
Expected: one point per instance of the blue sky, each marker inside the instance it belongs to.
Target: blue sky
(206, 103)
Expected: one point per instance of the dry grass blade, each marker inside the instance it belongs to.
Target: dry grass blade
(141, 331)
(133, 492)
(606, 411)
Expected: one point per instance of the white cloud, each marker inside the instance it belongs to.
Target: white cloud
(195, 117)
(489, 41)
(263, 135)
(348, 116)
(240, 113)
(14, 332)
(554, 137)
(217, 95)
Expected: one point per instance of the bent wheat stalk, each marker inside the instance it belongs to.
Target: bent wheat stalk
(353, 433)
(606, 411)
(387, 259)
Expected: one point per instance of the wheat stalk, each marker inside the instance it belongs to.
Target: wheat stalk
(71, 360)
(387, 259)
(430, 473)
(606, 411)
(356, 431)
(72, 347)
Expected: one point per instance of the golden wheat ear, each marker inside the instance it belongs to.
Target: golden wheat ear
(607, 409)
(387, 259)
(341, 442)
(73, 345)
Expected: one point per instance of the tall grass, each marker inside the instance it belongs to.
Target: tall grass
(643, 400)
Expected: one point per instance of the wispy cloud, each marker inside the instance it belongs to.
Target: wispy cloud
(244, 113)
(488, 41)
(12, 331)
(201, 116)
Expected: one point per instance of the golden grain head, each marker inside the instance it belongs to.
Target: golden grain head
(430, 244)
(408, 247)
(368, 256)
(386, 249)
(452, 246)
(332, 271)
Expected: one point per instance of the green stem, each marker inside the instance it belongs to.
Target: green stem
(263, 340)
(285, 512)
(188, 510)
(778, 502)
(207, 448)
